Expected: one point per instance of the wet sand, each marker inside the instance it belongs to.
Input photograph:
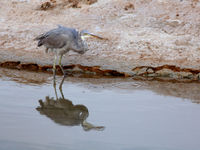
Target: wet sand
(137, 115)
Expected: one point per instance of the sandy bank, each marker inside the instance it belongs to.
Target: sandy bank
(145, 37)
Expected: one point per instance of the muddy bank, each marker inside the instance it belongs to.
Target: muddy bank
(146, 38)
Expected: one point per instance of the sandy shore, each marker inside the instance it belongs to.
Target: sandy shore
(145, 37)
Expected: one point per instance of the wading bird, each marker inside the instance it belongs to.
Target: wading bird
(60, 41)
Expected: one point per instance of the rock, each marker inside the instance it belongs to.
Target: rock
(129, 6)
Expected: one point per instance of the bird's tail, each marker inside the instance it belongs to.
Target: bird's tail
(39, 39)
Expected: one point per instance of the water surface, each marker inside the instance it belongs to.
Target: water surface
(136, 115)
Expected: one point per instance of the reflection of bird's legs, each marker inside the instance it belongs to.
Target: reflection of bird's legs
(60, 87)
(55, 92)
(61, 83)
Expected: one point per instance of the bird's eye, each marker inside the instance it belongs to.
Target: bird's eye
(82, 37)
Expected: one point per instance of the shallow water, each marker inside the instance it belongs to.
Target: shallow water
(137, 115)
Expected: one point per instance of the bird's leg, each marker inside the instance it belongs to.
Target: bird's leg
(54, 72)
(60, 59)
(64, 74)
(60, 87)
(55, 92)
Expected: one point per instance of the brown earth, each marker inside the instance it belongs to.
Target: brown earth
(145, 37)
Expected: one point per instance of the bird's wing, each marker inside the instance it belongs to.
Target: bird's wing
(53, 39)
(44, 35)
(56, 40)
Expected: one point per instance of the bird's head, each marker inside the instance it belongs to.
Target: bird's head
(82, 36)
(81, 43)
(86, 34)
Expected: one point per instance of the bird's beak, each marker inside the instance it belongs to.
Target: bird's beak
(88, 35)
(83, 37)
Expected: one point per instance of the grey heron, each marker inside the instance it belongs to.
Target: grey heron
(60, 41)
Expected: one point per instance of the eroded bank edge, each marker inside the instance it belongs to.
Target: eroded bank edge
(168, 71)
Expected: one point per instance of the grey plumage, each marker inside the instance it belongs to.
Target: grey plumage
(60, 41)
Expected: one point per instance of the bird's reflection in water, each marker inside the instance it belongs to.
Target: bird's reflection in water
(63, 112)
